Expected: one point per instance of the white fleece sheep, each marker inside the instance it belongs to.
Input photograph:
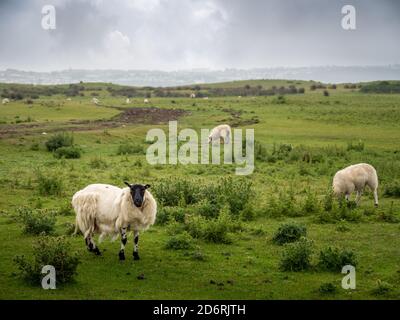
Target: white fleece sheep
(223, 131)
(355, 178)
(109, 210)
(128, 100)
(96, 101)
(5, 101)
(146, 101)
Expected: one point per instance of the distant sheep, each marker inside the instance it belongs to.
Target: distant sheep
(69, 99)
(205, 98)
(192, 95)
(109, 210)
(355, 178)
(5, 101)
(128, 100)
(96, 101)
(222, 131)
(146, 101)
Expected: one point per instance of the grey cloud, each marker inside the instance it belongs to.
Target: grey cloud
(181, 34)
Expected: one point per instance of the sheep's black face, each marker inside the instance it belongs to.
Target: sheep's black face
(137, 193)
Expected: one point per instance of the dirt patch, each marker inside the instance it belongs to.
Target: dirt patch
(236, 119)
(151, 115)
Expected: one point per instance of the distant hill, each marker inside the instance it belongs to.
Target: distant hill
(327, 74)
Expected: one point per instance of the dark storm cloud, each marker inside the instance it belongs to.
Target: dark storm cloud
(178, 34)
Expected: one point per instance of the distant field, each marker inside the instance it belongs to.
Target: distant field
(302, 139)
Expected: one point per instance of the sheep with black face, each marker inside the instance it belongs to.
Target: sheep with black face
(109, 210)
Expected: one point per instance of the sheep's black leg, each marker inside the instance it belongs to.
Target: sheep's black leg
(92, 246)
(124, 239)
(136, 245)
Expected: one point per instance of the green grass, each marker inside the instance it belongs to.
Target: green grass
(249, 267)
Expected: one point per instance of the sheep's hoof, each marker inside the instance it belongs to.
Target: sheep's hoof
(135, 256)
(376, 205)
(121, 255)
(97, 251)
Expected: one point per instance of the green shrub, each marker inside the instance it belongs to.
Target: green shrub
(182, 241)
(311, 204)
(388, 216)
(162, 217)
(248, 213)
(283, 205)
(297, 255)
(327, 288)
(207, 209)
(49, 251)
(98, 163)
(49, 185)
(289, 232)
(129, 148)
(392, 189)
(37, 221)
(67, 153)
(59, 140)
(213, 230)
(333, 259)
(65, 209)
(172, 192)
(171, 214)
(382, 288)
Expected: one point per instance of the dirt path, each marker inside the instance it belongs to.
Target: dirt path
(149, 115)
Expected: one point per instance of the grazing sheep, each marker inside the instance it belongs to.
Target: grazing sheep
(223, 131)
(356, 177)
(96, 101)
(128, 100)
(192, 95)
(146, 101)
(205, 98)
(109, 210)
(69, 99)
(5, 101)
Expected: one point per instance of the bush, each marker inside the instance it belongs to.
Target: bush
(283, 205)
(173, 192)
(37, 221)
(49, 185)
(392, 189)
(49, 251)
(332, 259)
(182, 241)
(388, 216)
(327, 288)
(311, 204)
(289, 232)
(67, 153)
(382, 288)
(168, 214)
(59, 140)
(129, 148)
(213, 230)
(207, 209)
(98, 163)
(297, 256)
(65, 209)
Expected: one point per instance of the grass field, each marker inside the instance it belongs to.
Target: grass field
(304, 139)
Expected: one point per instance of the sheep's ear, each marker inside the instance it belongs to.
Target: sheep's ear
(127, 183)
(147, 186)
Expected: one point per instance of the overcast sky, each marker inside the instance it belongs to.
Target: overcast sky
(186, 34)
